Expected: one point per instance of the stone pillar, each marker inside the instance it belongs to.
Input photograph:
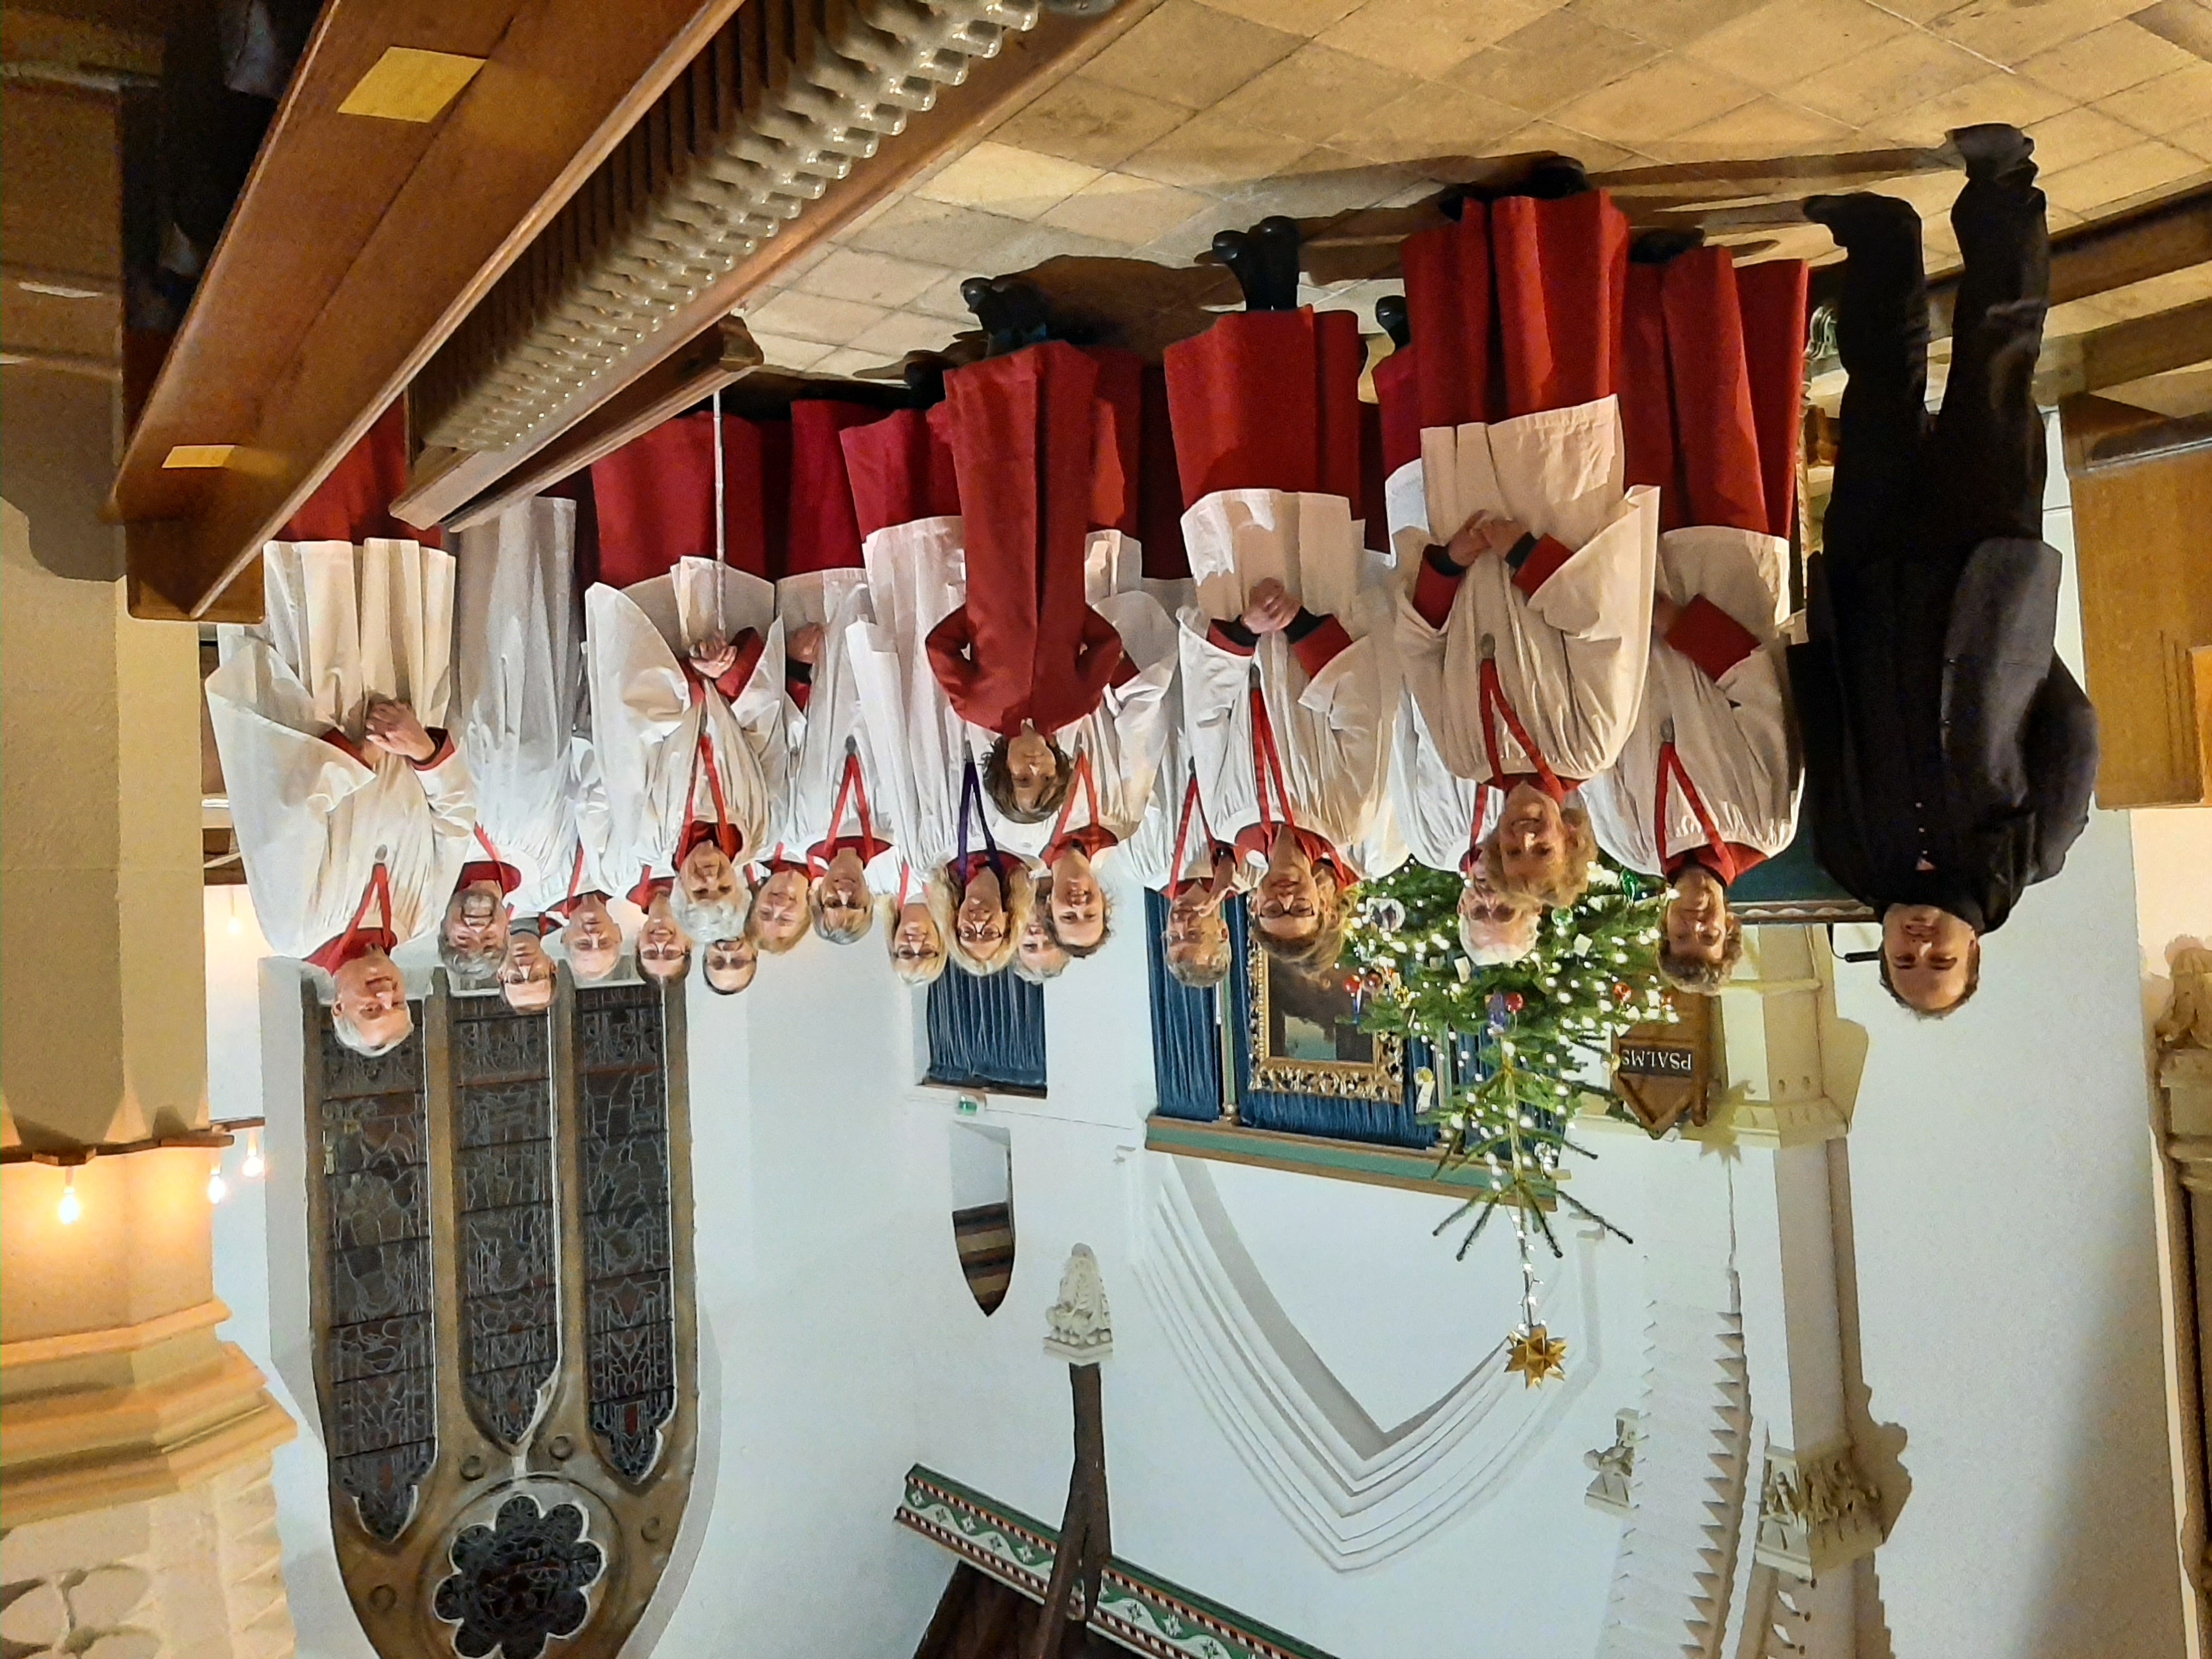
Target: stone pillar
(1743, 1423)
(134, 1445)
(1791, 1066)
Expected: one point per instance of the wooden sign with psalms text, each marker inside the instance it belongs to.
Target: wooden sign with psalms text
(1664, 1070)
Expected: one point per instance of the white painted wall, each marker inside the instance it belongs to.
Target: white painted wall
(2008, 1307)
(2000, 1175)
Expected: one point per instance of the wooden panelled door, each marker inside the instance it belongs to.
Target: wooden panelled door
(2142, 534)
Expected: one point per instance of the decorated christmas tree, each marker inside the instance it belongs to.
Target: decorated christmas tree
(1512, 1043)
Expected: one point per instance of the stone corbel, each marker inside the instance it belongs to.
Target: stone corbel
(1816, 1511)
(1779, 1085)
(1615, 1464)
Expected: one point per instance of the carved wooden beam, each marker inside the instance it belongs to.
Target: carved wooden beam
(1026, 65)
(359, 243)
(712, 360)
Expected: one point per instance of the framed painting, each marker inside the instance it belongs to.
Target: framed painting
(1306, 1038)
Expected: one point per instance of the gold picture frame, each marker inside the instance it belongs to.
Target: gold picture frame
(1306, 1041)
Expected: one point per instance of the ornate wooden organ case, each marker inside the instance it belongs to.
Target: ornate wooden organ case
(505, 1341)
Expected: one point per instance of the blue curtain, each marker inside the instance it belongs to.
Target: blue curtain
(1186, 1052)
(986, 1033)
(1187, 1057)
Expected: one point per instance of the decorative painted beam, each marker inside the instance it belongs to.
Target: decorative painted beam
(1339, 1160)
(1143, 1612)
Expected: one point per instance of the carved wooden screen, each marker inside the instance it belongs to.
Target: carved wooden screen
(505, 1343)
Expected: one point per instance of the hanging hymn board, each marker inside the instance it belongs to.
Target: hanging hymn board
(1664, 1070)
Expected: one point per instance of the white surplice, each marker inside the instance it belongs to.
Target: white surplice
(519, 679)
(837, 601)
(1125, 735)
(1571, 660)
(916, 576)
(1438, 815)
(313, 821)
(646, 729)
(1732, 736)
(1328, 728)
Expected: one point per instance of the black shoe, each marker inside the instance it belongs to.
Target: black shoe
(924, 374)
(1274, 240)
(1264, 260)
(1012, 311)
(1657, 247)
(1394, 320)
(1553, 180)
(1993, 150)
(1234, 250)
(1862, 214)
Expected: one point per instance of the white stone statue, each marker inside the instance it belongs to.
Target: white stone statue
(1079, 1327)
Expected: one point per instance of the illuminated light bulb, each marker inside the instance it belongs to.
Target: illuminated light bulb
(69, 1208)
(254, 1165)
(235, 924)
(217, 1188)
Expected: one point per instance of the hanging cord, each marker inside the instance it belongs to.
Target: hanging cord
(1083, 784)
(1191, 804)
(971, 795)
(721, 521)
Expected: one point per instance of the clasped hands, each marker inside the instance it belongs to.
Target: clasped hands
(713, 657)
(1486, 532)
(393, 728)
(1269, 608)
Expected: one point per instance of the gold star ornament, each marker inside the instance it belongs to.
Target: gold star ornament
(1537, 1356)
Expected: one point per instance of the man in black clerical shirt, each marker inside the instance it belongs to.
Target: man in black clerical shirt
(1948, 754)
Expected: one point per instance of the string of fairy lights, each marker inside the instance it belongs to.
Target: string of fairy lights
(217, 1138)
(1511, 1043)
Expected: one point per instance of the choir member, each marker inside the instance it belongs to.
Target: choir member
(1443, 819)
(1043, 449)
(1175, 853)
(354, 810)
(1949, 755)
(689, 680)
(518, 677)
(588, 933)
(1706, 786)
(663, 948)
(1039, 957)
(836, 837)
(525, 976)
(688, 721)
(912, 934)
(1525, 625)
(1283, 705)
(908, 508)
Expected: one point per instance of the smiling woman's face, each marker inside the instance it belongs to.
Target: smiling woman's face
(980, 924)
(1079, 905)
(1532, 836)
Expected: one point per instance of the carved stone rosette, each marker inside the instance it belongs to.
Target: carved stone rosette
(1816, 1511)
